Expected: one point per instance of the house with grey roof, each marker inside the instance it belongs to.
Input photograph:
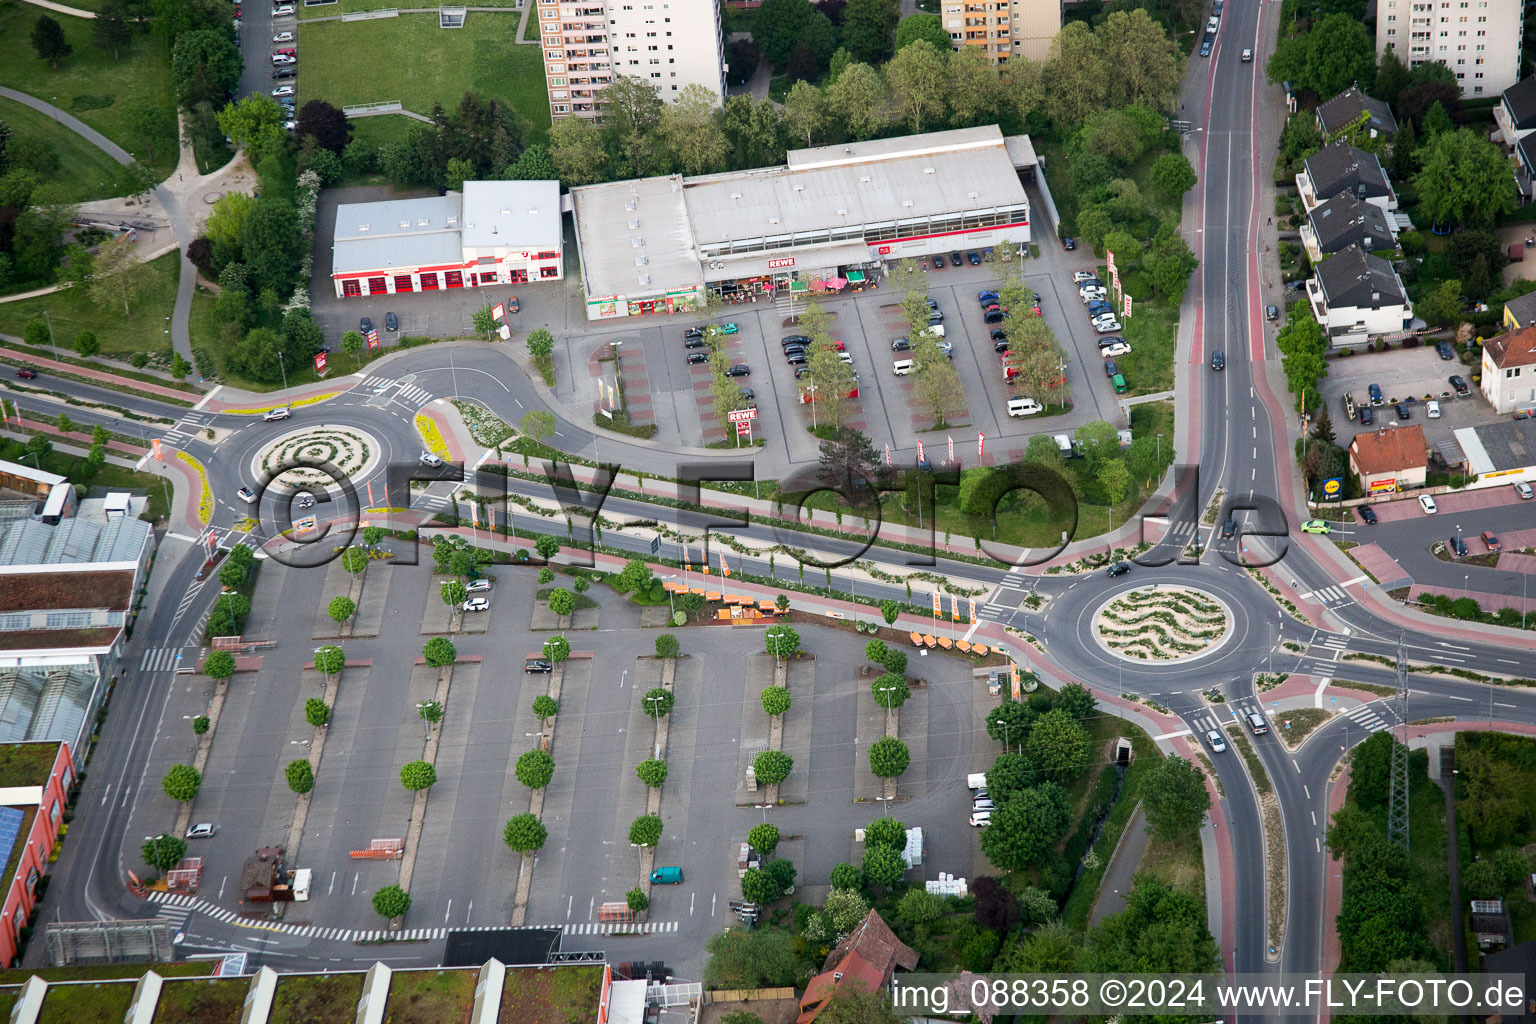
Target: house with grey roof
(1349, 107)
(1344, 168)
(1343, 221)
(1357, 296)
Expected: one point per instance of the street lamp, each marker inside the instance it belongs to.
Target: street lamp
(671, 594)
(51, 340)
(282, 366)
(654, 701)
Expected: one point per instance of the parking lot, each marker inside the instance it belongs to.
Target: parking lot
(1412, 376)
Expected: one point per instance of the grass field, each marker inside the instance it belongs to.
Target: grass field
(349, 6)
(72, 310)
(84, 171)
(376, 131)
(425, 64)
(89, 83)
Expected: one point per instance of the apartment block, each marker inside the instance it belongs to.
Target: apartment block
(1004, 28)
(1479, 40)
(671, 44)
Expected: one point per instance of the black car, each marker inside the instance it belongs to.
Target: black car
(900, 345)
(954, 257)
(801, 371)
(1458, 546)
(1367, 515)
(1118, 569)
(1110, 369)
(748, 395)
(695, 358)
(795, 339)
(693, 332)
(1367, 417)
(1445, 350)
(693, 342)
(935, 316)
(995, 316)
(932, 304)
(1228, 528)
(1218, 360)
(1460, 384)
(391, 323)
(538, 665)
(739, 370)
(794, 350)
(796, 359)
(1271, 313)
(938, 261)
(1402, 411)
(973, 258)
(365, 325)
(999, 341)
(1068, 243)
(279, 74)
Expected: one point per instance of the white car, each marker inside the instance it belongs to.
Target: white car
(981, 819)
(1524, 491)
(477, 604)
(1092, 293)
(283, 37)
(1024, 407)
(845, 357)
(1119, 348)
(1079, 276)
(1106, 326)
(428, 459)
(247, 495)
(1432, 409)
(477, 586)
(290, 125)
(1247, 56)
(282, 12)
(1217, 742)
(202, 830)
(282, 90)
(1427, 503)
(283, 60)
(282, 412)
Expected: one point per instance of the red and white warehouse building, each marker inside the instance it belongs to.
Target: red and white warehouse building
(493, 233)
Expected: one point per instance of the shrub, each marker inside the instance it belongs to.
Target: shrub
(439, 652)
(667, 646)
(200, 724)
(535, 768)
(652, 772)
(545, 706)
(562, 601)
(875, 651)
(300, 776)
(415, 775)
(546, 577)
(182, 783)
(886, 832)
(847, 876)
(658, 702)
(888, 757)
(772, 767)
(645, 830)
(763, 838)
(776, 700)
(391, 901)
(895, 661)
(316, 711)
(637, 900)
(890, 690)
(219, 665)
(525, 833)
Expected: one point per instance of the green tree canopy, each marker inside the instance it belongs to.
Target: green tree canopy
(416, 775)
(391, 901)
(888, 757)
(300, 776)
(163, 851)
(883, 866)
(764, 837)
(341, 608)
(922, 26)
(330, 660)
(772, 767)
(652, 772)
(1175, 799)
(1464, 180)
(775, 700)
(219, 665)
(439, 652)
(535, 768)
(525, 834)
(1025, 826)
(645, 830)
(758, 958)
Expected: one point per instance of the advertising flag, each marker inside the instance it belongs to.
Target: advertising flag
(159, 455)
(319, 362)
(937, 611)
(1110, 257)
(887, 455)
(686, 563)
(951, 440)
(981, 445)
(973, 611)
(954, 607)
(1127, 306)
(725, 570)
(920, 452)
(373, 339)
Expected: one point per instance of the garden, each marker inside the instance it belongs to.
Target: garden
(1163, 623)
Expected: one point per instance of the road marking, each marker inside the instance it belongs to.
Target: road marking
(1174, 735)
(1506, 661)
(209, 396)
(1450, 696)
(1504, 705)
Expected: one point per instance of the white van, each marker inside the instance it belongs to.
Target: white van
(1023, 407)
(937, 330)
(1064, 445)
(301, 881)
(1214, 25)
(976, 780)
(902, 367)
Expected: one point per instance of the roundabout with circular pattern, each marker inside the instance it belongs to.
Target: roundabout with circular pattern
(1163, 623)
(290, 461)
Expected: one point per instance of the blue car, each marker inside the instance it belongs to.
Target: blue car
(986, 298)
(1095, 308)
(1375, 391)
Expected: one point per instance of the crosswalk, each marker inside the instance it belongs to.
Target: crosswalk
(1327, 595)
(159, 659)
(407, 392)
(178, 907)
(184, 429)
(1365, 717)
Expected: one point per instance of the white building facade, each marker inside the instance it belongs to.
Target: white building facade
(1479, 40)
(670, 43)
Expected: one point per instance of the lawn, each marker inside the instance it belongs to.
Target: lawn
(84, 171)
(551, 995)
(87, 1004)
(1152, 331)
(202, 1002)
(426, 64)
(429, 997)
(299, 1000)
(89, 83)
(348, 6)
(375, 132)
(144, 329)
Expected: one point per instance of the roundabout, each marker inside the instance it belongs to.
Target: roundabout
(1164, 623)
(293, 461)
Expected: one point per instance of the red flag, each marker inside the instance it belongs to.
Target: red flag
(951, 447)
(887, 455)
(919, 451)
(981, 445)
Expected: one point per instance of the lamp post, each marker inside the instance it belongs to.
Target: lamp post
(281, 365)
(887, 689)
(653, 701)
(51, 340)
(671, 595)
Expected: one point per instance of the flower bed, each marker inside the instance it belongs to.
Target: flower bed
(1161, 624)
(292, 458)
(205, 500)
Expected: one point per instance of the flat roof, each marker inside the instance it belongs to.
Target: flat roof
(1021, 151)
(1499, 446)
(17, 469)
(907, 179)
(74, 541)
(58, 591)
(511, 213)
(622, 223)
(396, 233)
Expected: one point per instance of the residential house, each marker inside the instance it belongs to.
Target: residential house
(1348, 107)
(1389, 459)
(1357, 296)
(1343, 221)
(35, 780)
(1515, 113)
(1524, 155)
(867, 956)
(1490, 923)
(1344, 168)
(1521, 960)
(1520, 311)
(1509, 370)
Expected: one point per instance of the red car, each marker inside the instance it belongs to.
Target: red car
(1491, 541)
(512, 304)
(26, 374)
(290, 52)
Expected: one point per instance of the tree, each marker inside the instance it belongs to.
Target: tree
(326, 124)
(1441, 306)
(341, 608)
(635, 576)
(667, 646)
(415, 775)
(316, 712)
(1025, 826)
(561, 601)
(557, 649)
(847, 455)
(219, 665)
(1175, 799)
(181, 783)
(919, 907)
(1171, 176)
(1010, 774)
(845, 908)
(231, 575)
(652, 772)
(876, 651)
(1115, 480)
(781, 641)
(775, 700)
(163, 851)
(780, 24)
(535, 768)
(525, 834)
(1058, 745)
(546, 576)
(300, 776)
(49, 42)
(858, 100)
(537, 423)
(883, 866)
(110, 30)
(255, 122)
(869, 27)
(354, 560)
(751, 959)
(692, 131)
(1464, 180)
(272, 245)
(763, 838)
(150, 124)
(117, 276)
(918, 79)
(545, 706)
(330, 660)
(772, 767)
(888, 757)
(1009, 723)
(391, 901)
(847, 876)
(637, 900)
(657, 702)
(996, 908)
(1336, 53)
(535, 164)
(205, 66)
(439, 652)
(577, 149)
(886, 832)
(645, 830)
(352, 343)
(805, 112)
(890, 690)
(922, 26)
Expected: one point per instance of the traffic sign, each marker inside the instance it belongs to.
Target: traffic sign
(655, 546)
(741, 415)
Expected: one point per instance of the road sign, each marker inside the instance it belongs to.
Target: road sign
(498, 312)
(373, 341)
(655, 546)
(741, 415)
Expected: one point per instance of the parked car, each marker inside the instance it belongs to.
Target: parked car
(996, 316)
(1023, 407)
(938, 261)
(280, 59)
(795, 339)
(981, 819)
(900, 345)
(1118, 383)
(365, 325)
(1491, 541)
(1427, 503)
(739, 370)
(1120, 348)
(278, 74)
(282, 412)
(287, 51)
(1367, 417)
(1445, 350)
(987, 298)
(1432, 409)
(283, 37)
(282, 11)
(1525, 492)
(512, 304)
(973, 258)
(1367, 515)
(480, 586)
(1218, 360)
(1068, 243)
(247, 495)
(694, 342)
(1271, 313)
(1098, 306)
(954, 257)
(1228, 528)
(1118, 569)
(1205, 51)
(695, 358)
(1110, 369)
(1316, 526)
(1217, 742)
(1106, 326)
(1081, 276)
(1457, 545)
(796, 358)
(999, 340)
(1402, 411)
(1460, 384)
(1376, 396)
(391, 322)
(477, 604)
(538, 665)
(692, 333)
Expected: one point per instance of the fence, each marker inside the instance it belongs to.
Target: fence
(748, 995)
(363, 109)
(370, 15)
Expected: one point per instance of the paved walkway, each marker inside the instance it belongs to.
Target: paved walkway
(72, 11)
(44, 363)
(68, 120)
(1122, 869)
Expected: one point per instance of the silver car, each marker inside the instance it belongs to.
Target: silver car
(202, 830)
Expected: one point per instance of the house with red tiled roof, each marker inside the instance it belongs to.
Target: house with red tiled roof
(867, 956)
(1509, 370)
(1389, 459)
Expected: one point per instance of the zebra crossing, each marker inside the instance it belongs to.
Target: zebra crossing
(1327, 595)
(159, 659)
(1365, 717)
(176, 908)
(183, 429)
(408, 393)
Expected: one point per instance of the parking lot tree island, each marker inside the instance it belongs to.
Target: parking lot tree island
(782, 642)
(163, 851)
(182, 782)
(525, 834)
(645, 830)
(775, 700)
(535, 768)
(652, 771)
(330, 661)
(300, 776)
(391, 901)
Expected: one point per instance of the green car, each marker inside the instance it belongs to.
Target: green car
(1315, 526)
(726, 328)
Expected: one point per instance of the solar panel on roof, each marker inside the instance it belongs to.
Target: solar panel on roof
(10, 828)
